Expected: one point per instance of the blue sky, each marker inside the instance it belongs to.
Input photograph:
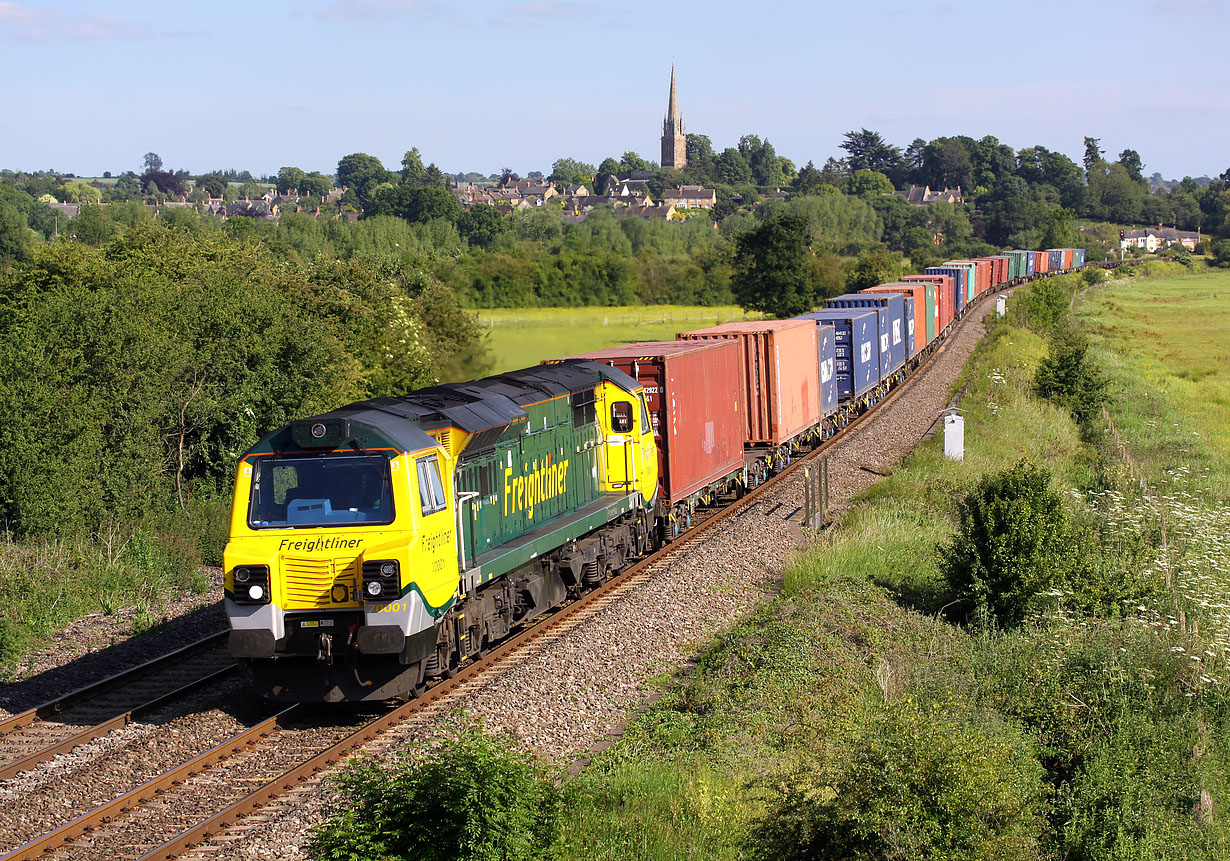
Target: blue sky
(487, 84)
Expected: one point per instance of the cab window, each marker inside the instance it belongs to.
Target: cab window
(431, 488)
(621, 417)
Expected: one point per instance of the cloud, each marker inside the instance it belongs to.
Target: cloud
(1187, 7)
(51, 25)
(352, 10)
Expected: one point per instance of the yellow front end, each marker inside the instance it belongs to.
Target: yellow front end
(306, 573)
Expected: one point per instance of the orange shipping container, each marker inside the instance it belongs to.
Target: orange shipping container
(780, 382)
(1041, 262)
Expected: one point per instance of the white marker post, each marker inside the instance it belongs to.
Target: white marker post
(954, 434)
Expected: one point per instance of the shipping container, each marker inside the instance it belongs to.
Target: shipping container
(826, 340)
(1080, 256)
(780, 380)
(911, 342)
(957, 298)
(1054, 259)
(973, 278)
(892, 324)
(1029, 263)
(855, 348)
(1041, 262)
(943, 297)
(1067, 258)
(926, 314)
(691, 394)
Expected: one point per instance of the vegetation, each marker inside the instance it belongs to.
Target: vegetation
(465, 796)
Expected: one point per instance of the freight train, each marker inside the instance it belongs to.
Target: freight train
(390, 541)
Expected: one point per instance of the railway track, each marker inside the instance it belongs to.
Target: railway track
(41, 733)
(169, 816)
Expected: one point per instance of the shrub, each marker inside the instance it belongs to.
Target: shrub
(911, 784)
(468, 797)
(1011, 545)
(1069, 377)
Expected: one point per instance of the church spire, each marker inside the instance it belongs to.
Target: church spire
(674, 142)
(672, 109)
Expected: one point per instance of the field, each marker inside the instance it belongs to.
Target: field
(1165, 346)
(520, 337)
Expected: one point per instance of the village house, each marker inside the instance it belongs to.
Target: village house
(690, 197)
(924, 196)
(1151, 239)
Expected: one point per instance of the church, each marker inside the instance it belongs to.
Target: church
(674, 141)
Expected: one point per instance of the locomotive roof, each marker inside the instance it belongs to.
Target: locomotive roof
(475, 406)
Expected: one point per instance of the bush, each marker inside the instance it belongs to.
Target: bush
(468, 797)
(1069, 377)
(1220, 250)
(1011, 547)
(911, 784)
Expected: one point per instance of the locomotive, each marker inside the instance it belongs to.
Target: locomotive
(390, 541)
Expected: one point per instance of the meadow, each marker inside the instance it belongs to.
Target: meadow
(520, 337)
(1164, 345)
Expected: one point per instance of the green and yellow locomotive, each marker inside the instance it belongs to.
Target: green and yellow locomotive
(391, 540)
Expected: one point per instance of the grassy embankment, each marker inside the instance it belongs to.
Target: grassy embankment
(520, 337)
(851, 707)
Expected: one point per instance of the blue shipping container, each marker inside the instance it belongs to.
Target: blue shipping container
(958, 284)
(911, 339)
(892, 324)
(828, 370)
(856, 354)
(1055, 260)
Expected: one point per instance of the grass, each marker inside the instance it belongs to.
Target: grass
(1165, 346)
(520, 337)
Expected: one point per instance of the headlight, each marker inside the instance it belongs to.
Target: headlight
(381, 579)
(251, 584)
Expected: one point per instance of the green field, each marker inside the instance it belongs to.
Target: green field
(520, 337)
(1165, 346)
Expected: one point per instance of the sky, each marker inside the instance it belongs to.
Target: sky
(487, 84)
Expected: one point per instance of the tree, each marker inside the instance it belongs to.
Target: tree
(91, 226)
(14, 235)
(415, 204)
(1007, 209)
(808, 179)
(867, 150)
(947, 163)
(481, 225)
(315, 184)
(212, 185)
(161, 182)
(869, 184)
(608, 170)
(771, 268)
(362, 174)
(732, 167)
(152, 162)
(569, 171)
(81, 192)
(412, 168)
(630, 162)
(1130, 159)
(871, 268)
(1093, 154)
(289, 179)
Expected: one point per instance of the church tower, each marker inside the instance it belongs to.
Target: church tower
(674, 143)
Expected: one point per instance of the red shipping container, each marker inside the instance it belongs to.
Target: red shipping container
(919, 294)
(998, 270)
(945, 295)
(691, 391)
(1041, 262)
(1067, 258)
(780, 381)
(983, 278)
